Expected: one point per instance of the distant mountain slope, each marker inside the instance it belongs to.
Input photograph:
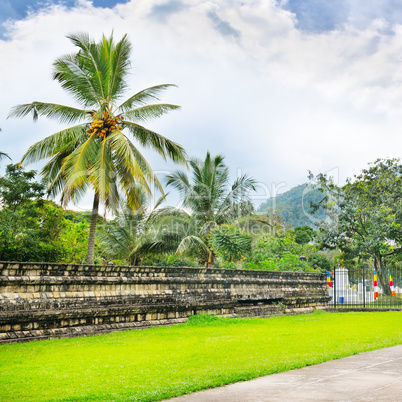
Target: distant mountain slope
(293, 206)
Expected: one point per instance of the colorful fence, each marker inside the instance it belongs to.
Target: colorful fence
(365, 288)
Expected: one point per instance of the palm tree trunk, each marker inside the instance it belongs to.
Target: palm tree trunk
(210, 259)
(92, 230)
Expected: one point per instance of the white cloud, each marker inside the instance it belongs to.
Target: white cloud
(274, 100)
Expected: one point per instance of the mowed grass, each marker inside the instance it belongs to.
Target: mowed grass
(159, 363)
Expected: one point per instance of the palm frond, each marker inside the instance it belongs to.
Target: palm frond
(4, 155)
(157, 142)
(91, 66)
(169, 217)
(63, 114)
(73, 194)
(71, 75)
(133, 233)
(64, 141)
(129, 160)
(167, 244)
(116, 240)
(257, 225)
(149, 112)
(210, 178)
(240, 189)
(153, 215)
(141, 98)
(179, 180)
(119, 64)
(191, 241)
(52, 174)
(78, 166)
(131, 168)
(160, 200)
(103, 173)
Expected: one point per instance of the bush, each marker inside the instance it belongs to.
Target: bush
(230, 243)
(174, 260)
(180, 261)
(277, 253)
(320, 262)
(303, 234)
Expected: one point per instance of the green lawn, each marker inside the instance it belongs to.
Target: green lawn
(158, 363)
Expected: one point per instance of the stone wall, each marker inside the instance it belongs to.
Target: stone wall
(42, 301)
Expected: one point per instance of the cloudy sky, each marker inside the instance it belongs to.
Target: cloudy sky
(278, 87)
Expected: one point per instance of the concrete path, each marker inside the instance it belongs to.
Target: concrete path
(369, 376)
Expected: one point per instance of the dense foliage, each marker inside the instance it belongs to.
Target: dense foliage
(304, 235)
(277, 253)
(230, 243)
(366, 216)
(320, 262)
(33, 229)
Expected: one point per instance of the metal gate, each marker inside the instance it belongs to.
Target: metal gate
(364, 288)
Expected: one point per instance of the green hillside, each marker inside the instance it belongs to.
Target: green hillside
(293, 206)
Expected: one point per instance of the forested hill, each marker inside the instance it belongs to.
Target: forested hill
(293, 206)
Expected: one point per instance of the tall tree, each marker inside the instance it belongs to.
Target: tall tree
(366, 215)
(208, 200)
(97, 151)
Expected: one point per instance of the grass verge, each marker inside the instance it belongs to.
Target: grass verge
(159, 363)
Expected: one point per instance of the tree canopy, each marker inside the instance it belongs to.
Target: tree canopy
(366, 215)
(33, 229)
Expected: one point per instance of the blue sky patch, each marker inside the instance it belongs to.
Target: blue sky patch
(19, 9)
(319, 15)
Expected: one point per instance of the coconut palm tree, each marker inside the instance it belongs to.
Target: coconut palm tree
(97, 152)
(208, 200)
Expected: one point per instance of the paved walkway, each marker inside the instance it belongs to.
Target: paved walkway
(369, 376)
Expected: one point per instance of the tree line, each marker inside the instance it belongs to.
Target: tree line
(216, 225)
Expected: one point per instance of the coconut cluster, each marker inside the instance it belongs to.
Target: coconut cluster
(102, 128)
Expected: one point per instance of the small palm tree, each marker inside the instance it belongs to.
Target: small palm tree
(208, 201)
(131, 235)
(97, 152)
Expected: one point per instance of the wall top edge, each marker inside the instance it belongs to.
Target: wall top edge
(83, 269)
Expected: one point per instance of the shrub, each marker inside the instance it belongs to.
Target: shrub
(174, 260)
(303, 234)
(230, 243)
(320, 262)
(277, 253)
